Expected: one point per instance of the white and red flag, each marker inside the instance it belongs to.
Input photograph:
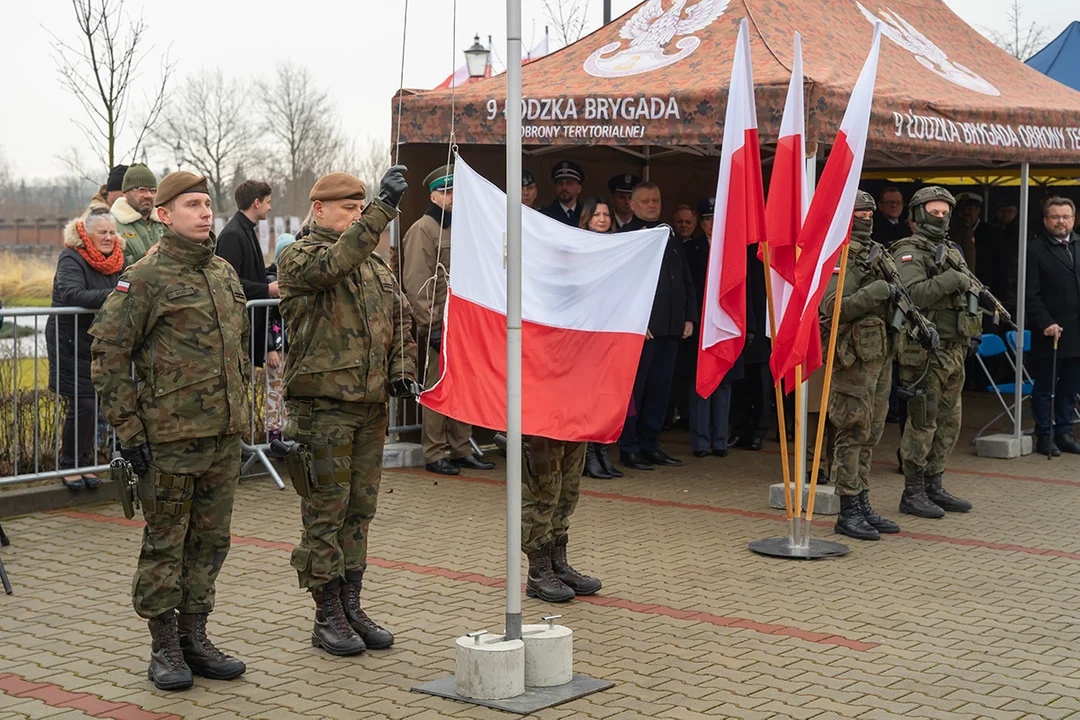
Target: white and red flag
(739, 221)
(585, 304)
(827, 227)
(786, 206)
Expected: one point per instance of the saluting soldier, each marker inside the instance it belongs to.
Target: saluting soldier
(933, 422)
(568, 177)
(178, 315)
(350, 350)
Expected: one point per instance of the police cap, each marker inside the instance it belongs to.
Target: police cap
(565, 169)
(527, 178)
(440, 179)
(623, 183)
(707, 207)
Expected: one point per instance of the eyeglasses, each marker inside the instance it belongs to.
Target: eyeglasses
(1059, 218)
(892, 202)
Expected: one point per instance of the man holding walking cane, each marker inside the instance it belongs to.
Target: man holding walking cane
(1053, 307)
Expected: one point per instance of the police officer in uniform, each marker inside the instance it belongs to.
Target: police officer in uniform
(528, 188)
(568, 177)
(933, 422)
(351, 349)
(621, 188)
(178, 316)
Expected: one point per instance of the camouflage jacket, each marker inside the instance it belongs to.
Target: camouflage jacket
(858, 300)
(348, 324)
(936, 289)
(179, 316)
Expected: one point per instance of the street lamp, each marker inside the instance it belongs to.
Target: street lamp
(178, 152)
(476, 59)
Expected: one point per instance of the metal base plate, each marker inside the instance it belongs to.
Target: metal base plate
(781, 547)
(530, 701)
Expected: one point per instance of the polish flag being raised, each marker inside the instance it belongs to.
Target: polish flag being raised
(739, 221)
(786, 208)
(585, 303)
(827, 227)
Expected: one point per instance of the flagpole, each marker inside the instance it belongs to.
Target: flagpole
(785, 468)
(828, 382)
(513, 319)
(800, 440)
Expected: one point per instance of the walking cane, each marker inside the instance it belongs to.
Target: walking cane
(1053, 394)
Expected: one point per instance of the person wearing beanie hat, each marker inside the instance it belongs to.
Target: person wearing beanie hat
(108, 193)
(135, 220)
(178, 315)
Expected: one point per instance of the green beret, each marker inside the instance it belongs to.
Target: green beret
(177, 183)
(440, 179)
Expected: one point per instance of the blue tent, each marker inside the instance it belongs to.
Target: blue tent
(1060, 59)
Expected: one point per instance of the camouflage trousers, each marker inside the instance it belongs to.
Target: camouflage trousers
(549, 491)
(858, 404)
(933, 420)
(187, 501)
(275, 396)
(337, 515)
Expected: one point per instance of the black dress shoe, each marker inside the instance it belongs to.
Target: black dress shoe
(442, 466)
(1045, 446)
(720, 453)
(700, 453)
(93, 482)
(473, 463)
(660, 458)
(735, 441)
(755, 444)
(634, 461)
(1067, 443)
(76, 483)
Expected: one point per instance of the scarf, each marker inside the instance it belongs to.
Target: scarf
(110, 265)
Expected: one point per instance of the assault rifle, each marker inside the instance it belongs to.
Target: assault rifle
(979, 292)
(880, 262)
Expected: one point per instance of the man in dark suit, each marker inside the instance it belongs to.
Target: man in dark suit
(1053, 311)
(674, 314)
(238, 244)
(890, 224)
(621, 187)
(568, 177)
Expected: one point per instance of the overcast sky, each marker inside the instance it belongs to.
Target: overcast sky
(352, 46)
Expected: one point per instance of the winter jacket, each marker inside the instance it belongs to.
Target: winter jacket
(238, 245)
(137, 233)
(675, 302)
(1053, 294)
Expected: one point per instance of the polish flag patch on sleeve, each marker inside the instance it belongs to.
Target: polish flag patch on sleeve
(123, 286)
(906, 258)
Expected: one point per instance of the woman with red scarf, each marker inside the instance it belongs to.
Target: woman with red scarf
(87, 271)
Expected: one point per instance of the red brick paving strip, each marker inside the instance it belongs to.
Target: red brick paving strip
(94, 705)
(607, 601)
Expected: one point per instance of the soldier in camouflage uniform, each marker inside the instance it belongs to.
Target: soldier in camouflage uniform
(862, 377)
(549, 493)
(351, 349)
(933, 422)
(178, 315)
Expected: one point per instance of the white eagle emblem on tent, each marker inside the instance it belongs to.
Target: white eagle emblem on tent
(929, 55)
(649, 31)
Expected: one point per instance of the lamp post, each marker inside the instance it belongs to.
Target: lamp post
(178, 154)
(476, 59)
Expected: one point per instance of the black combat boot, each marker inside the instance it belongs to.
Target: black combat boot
(593, 468)
(167, 667)
(200, 654)
(542, 582)
(567, 575)
(914, 500)
(332, 631)
(873, 519)
(851, 522)
(603, 452)
(375, 637)
(942, 497)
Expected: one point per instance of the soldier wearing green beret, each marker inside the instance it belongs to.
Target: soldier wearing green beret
(351, 350)
(135, 220)
(178, 317)
(424, 276)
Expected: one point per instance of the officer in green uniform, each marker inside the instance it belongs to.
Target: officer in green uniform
(178, 316)
(549, 493)
(862, 376)
(351, 349)
(933, 422)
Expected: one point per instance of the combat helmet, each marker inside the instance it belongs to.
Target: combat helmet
(927, 225)
(864, 201)
(929, 194)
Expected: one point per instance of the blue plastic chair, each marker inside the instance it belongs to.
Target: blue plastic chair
(991, 345)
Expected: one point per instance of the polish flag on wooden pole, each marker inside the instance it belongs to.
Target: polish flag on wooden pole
(827, 226)
(786, 207)
(585, 303)
(739, 221)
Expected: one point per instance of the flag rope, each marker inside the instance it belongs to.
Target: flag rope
(397, 155)
(782, 425)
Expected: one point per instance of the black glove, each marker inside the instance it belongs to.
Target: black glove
(404, 388)
(138, 457)
(932, 341)
(393, 185)
(973, 346)
(897, 293)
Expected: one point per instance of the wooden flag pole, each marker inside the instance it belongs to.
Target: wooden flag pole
(785, 468)
(799, 451)
(828, 381)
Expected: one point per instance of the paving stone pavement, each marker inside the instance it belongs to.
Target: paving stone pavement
(973, 616)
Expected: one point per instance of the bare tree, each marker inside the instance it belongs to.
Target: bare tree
(368, 162)
(301, 128)
(567, 18)
(100, 70)
(208, 127)
(1021, 40)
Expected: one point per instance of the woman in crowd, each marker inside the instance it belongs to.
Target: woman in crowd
(87, 271)
(596, 217)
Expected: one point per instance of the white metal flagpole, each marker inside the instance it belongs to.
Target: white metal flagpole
(513, 319)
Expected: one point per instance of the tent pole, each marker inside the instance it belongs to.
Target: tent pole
(513, 319)
(645, 160)
(1021, 289)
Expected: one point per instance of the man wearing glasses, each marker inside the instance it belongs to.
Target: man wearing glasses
(889, 225)
(135, 221)
(1053, 311)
